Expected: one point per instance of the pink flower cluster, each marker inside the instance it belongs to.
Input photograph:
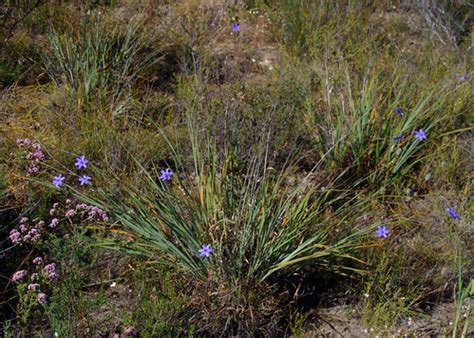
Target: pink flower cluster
(33, 287)
(48, 274)
(38, 261)
(51, 272)
(42, 298)
(27, 233)
(19, 275)
(92, 213)
(84, 211)
(35, 154)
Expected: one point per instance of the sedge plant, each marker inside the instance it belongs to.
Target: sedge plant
(216, 222)
(100, 63)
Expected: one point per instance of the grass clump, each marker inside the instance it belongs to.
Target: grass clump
(257, 226)
(100, 64)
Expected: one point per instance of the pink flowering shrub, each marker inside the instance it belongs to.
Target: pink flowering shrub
(33, 153)
(45, 234)
(27, 232)
(34, 286)
(48, 273)
(90, 213)
(33, 232)
(38, 282)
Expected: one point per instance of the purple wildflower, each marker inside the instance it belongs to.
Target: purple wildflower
(15, 236)
(70, 213)
(81, 162)
(38, 261)
(32, 169)
(463, 78)
(54, 223)
(38, 155)
(166, 175)
(398, 111)
(420, 134)
(54, 277)
(35, 155)
(50, 268)
(23, 228)
(19, 275)
(382, 231)
(33, 232)
(85, 179)
(236, 27)
(93, 213)
(33, 287)
(206, 250)
(22, 142)
(453, 214)
(42, 298)
(58, 180)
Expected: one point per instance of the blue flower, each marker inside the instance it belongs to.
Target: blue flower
(84, 179)
(398, 111)
(166, 175)
(382, 231)
(463, 78)
(420, 134)
(453, 213)
(58, 180)
(236, 27)
(81, 162)
(206, 250)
